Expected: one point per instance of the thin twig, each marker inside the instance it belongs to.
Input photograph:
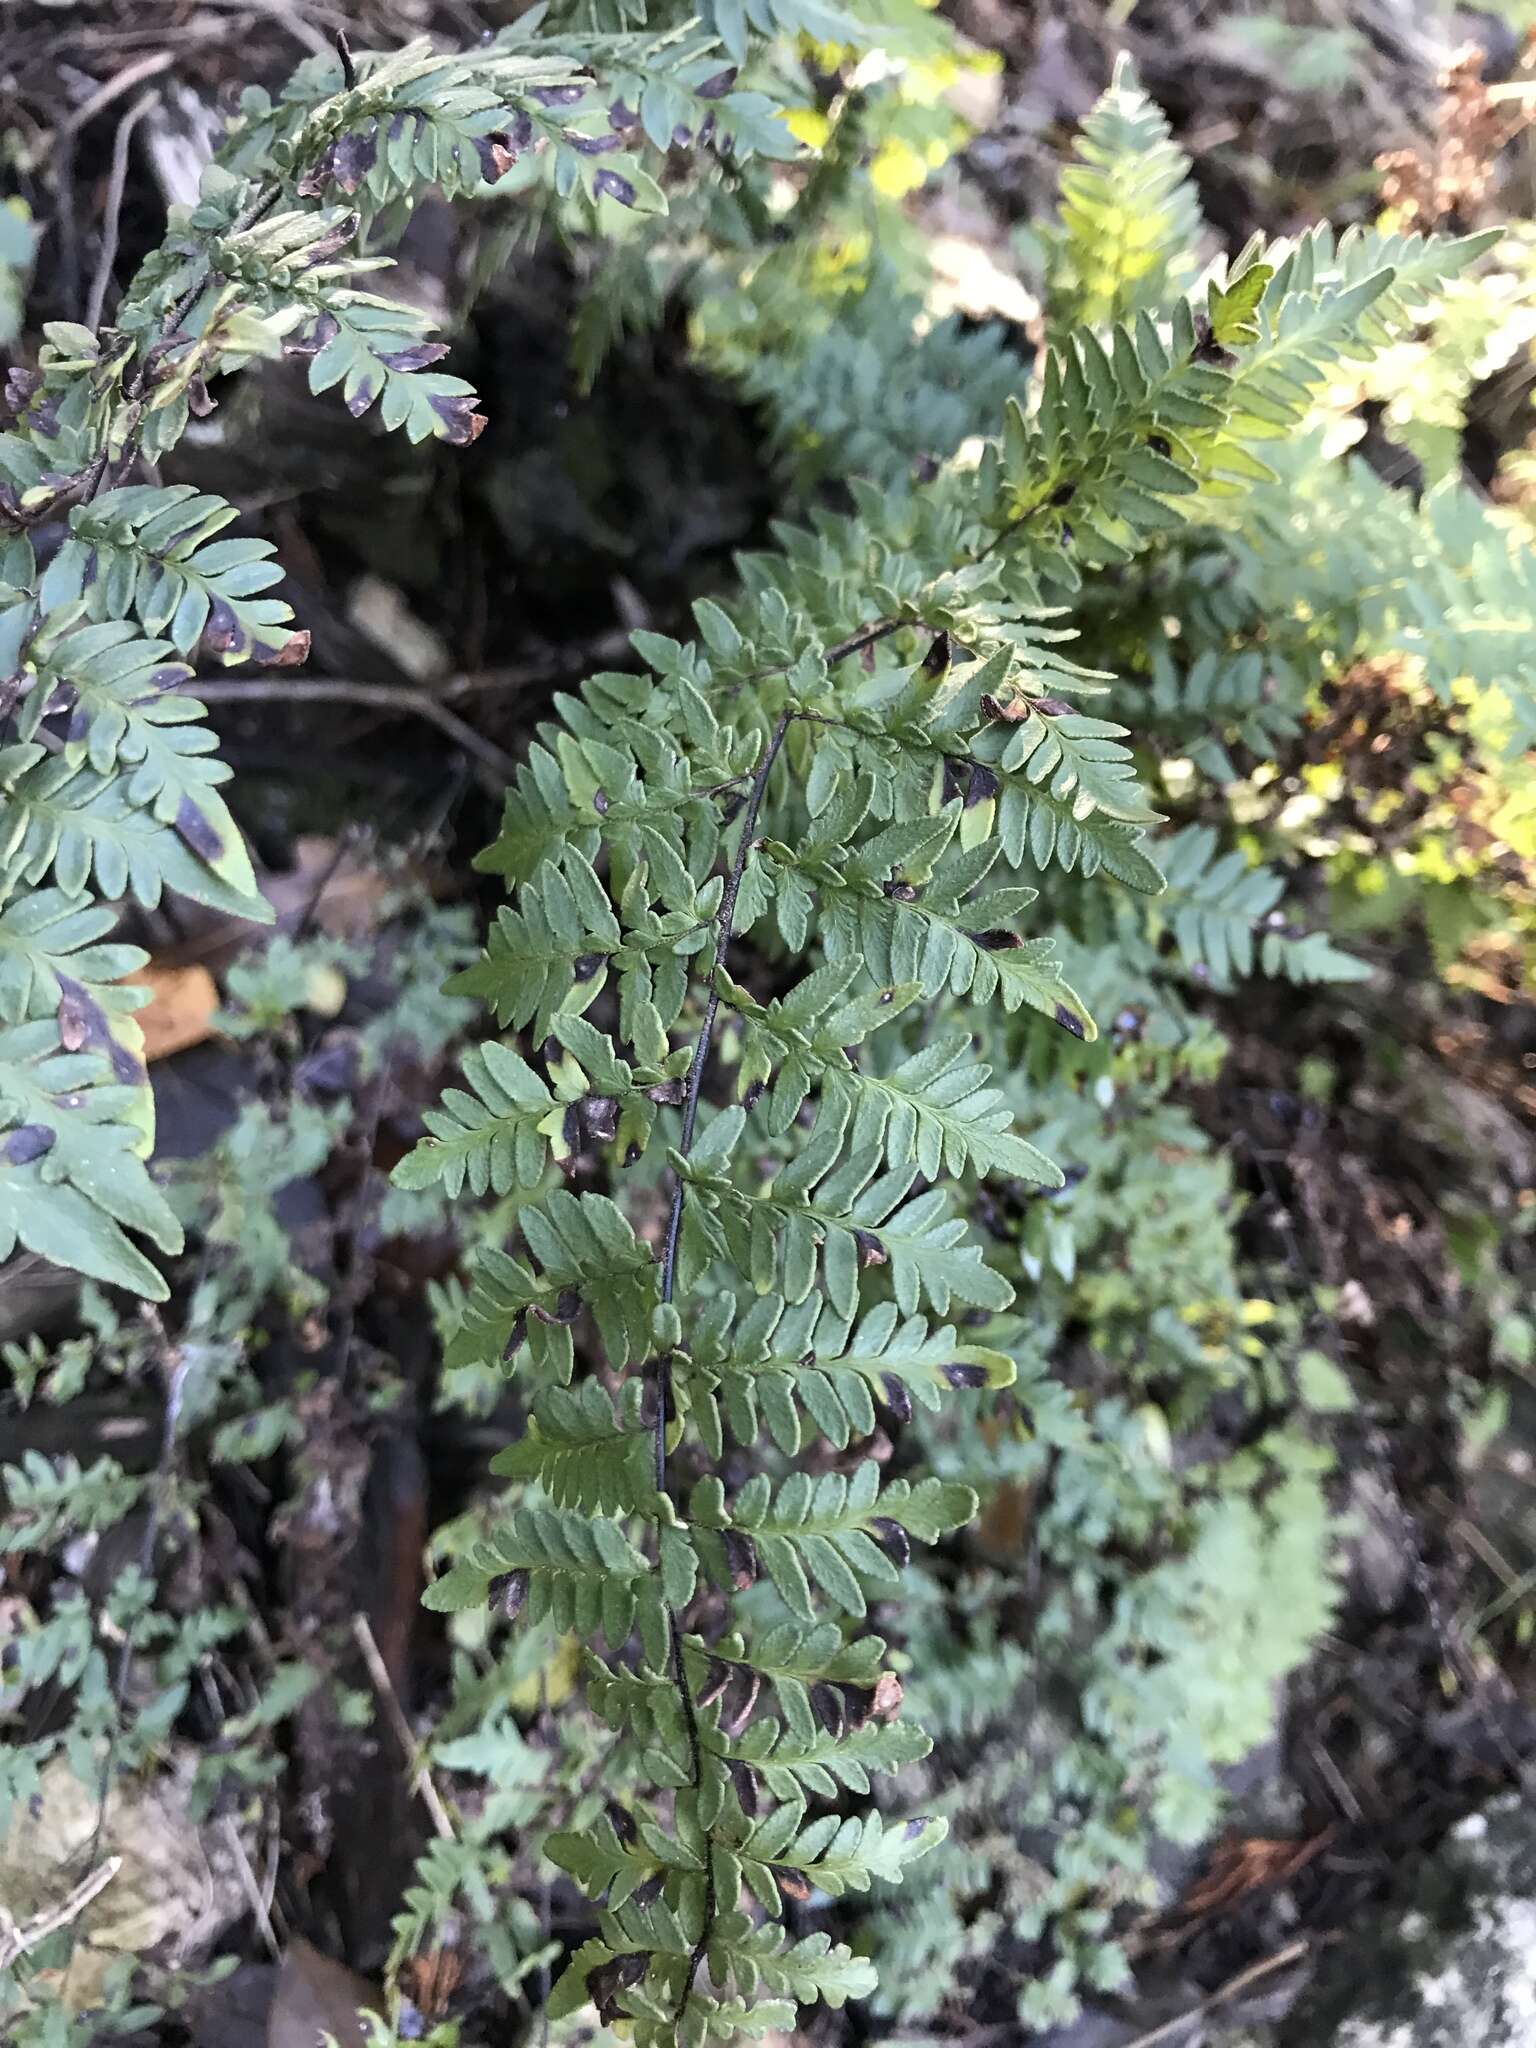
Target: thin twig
(1233, 1988)
(253, 1898)
(15, 1941)
(377, 696)
(121, 82)
(866, 636)
(580, 658)
(117, 184)
(394, 1713)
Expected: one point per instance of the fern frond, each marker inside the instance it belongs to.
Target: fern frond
(577, 1571)
(833, 1531)
(1221, 911)
(787, 1366)
(911, 908)
(588, 1257)
(52, 944)
(73, 1127)
(1130, 218)
(583, 1453)
(828, 1215)
(149, 551)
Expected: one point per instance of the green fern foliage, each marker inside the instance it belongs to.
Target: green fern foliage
(110, 786)
(1130, 222)
(787, 919)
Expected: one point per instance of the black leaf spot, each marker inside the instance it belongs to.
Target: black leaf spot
(981, 786)
(600, 1113)
(619, 1820)
(740, 1558)
(353, 158)
(717, 1676)
(1070, 1021)
(367, 390)
(892, 1539)
(871, 1251)
(461, 423)
(224, 633)
(744, 1785)
(417, 357)
(508, 1592)
(830, 1709)
(28, 1142)
(612, 186)
(497, 155)
(82, 1021)
(194, 828)
(895, 1397)
(741, 1697)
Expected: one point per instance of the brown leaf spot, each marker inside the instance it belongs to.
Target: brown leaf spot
(885, 1703)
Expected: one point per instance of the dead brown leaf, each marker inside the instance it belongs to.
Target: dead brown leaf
(180, 1009)
(316, 1997)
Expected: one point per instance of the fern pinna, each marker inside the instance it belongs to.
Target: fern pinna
(755, 894)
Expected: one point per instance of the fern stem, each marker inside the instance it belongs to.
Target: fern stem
(724, 932)
(725, 924)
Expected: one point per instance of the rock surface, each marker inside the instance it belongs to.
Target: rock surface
(1457, 1966)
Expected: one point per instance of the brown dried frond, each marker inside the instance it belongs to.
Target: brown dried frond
(1451, 178)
